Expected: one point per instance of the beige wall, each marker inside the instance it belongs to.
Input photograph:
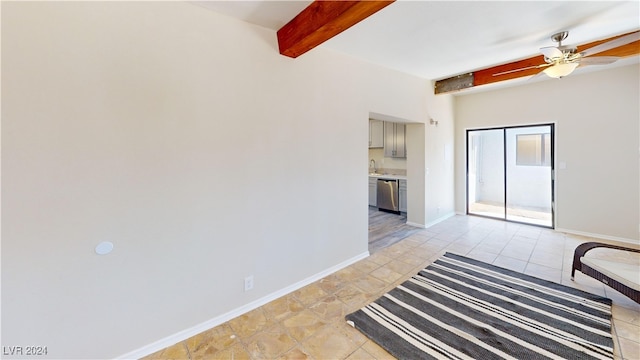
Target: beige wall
(184, 138)
(597, 137)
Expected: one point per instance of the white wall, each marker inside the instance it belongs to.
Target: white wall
(430, 167)
(597, 118)
(416, 188)
(439, 158)
(183, 137)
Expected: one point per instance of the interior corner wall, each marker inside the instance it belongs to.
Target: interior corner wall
(439, 158)
(416, 188)
(184, 138)
(597, 117)
(430, 163)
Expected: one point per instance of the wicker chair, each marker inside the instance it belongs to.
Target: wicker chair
(624, 278)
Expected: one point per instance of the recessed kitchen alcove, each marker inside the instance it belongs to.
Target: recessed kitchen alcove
(414, 216)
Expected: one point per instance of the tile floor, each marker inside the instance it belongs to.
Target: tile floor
(309, 323)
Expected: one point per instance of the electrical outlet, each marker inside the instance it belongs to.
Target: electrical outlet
(248, 283)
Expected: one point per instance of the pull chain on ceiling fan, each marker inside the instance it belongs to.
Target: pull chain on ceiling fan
(561, 61)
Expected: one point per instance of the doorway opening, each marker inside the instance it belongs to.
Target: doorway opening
(510, 173)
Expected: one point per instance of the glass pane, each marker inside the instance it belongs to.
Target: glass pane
(529, 149)
(486, 173)
(529, 174)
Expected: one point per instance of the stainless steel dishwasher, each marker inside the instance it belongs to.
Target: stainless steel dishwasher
(388, 195)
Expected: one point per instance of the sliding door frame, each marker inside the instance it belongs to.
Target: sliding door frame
(504, 161)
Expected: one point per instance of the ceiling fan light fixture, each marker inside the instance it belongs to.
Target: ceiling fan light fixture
(560, 70)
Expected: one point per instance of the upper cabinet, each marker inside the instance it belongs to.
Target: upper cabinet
(394, 140)
(376, 133)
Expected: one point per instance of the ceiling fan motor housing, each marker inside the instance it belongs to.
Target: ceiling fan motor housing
(559, 37)
(567, 49)
(568, 52)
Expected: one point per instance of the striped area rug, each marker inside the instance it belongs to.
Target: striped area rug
(460, 308)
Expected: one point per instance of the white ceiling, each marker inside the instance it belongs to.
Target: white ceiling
(439, 39)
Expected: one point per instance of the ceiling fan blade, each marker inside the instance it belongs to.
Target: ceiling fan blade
(627, 39)
(551, 52)
(598, 60)
(521, 69)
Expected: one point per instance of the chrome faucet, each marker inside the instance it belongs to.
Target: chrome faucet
(374, 165)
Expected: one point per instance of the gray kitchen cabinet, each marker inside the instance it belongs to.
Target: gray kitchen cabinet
(373, 191)
(376, 133)
(394, 140)
(402, 195)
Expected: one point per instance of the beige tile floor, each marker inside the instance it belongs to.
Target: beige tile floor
(309, 323)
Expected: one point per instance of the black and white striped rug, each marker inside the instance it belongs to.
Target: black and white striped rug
(460, 308)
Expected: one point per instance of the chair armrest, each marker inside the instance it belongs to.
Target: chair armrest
(582, 249)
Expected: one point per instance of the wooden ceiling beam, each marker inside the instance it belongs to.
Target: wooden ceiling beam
(488, 75)
(322, 20)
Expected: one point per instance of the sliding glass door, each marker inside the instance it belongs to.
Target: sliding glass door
(485, 174)
(509, 173)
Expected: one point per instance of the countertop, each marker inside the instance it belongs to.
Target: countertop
(388, 176)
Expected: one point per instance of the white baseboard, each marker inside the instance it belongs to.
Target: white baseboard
(440, 219)
(599, 236)
(415, 224)
(187, 333)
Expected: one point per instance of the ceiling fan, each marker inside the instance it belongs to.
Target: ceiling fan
(561, 60)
